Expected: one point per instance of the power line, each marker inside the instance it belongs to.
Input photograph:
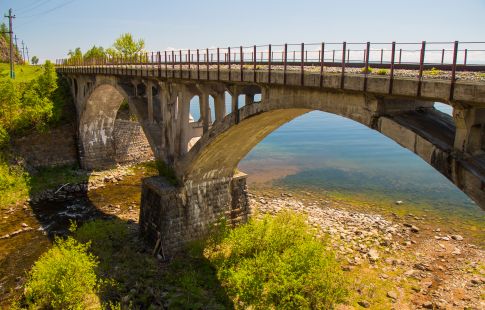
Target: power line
(50, 10)
(31, 8)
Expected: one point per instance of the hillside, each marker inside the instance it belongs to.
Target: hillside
(4, 51)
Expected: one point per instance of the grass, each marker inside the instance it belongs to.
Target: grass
(382, 72)
(294, 269)
(17, 184)
(23, 73)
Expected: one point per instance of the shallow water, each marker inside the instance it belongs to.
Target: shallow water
(326, 152)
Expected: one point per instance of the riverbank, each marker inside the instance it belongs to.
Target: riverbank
(400, 260)
(404, 262)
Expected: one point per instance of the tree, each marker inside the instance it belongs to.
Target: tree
(35, 60)
(127, 46)
(96, 52)
(3, 30)
(75, 55)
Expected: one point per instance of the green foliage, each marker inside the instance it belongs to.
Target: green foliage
(382, 71)
(127, 46)
(369, 70)
(96, 52)
(4, 32)
(75, 56)
(276, 263)
(34, 104)
(63, 278)
(35, 60)
(14, 182)
(167, 172)
(433, 72)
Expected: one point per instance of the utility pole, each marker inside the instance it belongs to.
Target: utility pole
(23, 50)
(10, 31)
(27, 50)
(16, 45)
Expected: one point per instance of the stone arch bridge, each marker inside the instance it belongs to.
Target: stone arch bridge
(204, 154)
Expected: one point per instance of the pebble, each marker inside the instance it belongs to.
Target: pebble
(392, 295)
(364, 304)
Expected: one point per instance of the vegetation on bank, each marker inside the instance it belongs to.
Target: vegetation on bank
(34, 101)
(270, 263)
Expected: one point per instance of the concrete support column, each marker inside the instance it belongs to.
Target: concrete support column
(183, 121)
(235, 104)
(470, 129)
(249, 99)
(205, 111)
(220, 106)
(149, 86)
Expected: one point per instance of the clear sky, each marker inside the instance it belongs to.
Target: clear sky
(51, 27)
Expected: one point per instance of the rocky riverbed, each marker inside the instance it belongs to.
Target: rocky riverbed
(419, 265)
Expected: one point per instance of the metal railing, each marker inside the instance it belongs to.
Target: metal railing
(449, 57)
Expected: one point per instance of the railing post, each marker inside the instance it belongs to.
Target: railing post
(333, 56)
(173, 63)
(391, 78)
(400, 54)
(285, 63)
(198, 65)
(421, 66)
(166, 64)
(159, 60)
(254, 64)
(207, 62)
(302, 64)
(180, 62)
(269, 64)
(218, 66)
(342, 78)
(453, 70)
(190, 71)
(442, 56)
(465, 58)
(348, 56)
(382, 54)
(241, 60)
(229, 61)
(366, 68)
(322, 61)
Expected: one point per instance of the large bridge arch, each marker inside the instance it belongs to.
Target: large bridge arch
(422, 129)
(105, 140)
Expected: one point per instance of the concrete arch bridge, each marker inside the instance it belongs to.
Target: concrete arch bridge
(204, 154)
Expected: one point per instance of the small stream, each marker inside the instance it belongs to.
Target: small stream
(33, 226)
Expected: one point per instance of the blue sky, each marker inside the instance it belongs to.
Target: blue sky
(52, 27)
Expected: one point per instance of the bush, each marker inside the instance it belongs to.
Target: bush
(369, 70)
(433, 71)
(63, 278)
(382, 71)
(276, 263)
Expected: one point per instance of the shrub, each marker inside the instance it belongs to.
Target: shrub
(382, 71)
(276, 263)
(433, 71)
(63, 278)
(369, 70)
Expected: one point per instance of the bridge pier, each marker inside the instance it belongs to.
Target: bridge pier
(171, 216)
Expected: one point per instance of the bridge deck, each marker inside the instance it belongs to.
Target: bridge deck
(468, 87)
